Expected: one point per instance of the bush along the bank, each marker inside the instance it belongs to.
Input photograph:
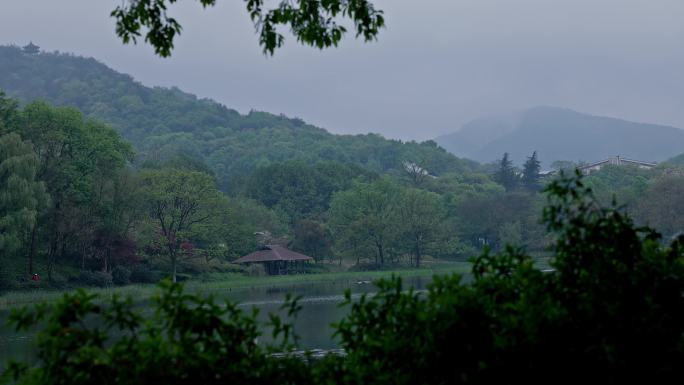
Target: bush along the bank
(610, 311)
(94, 278)
(121, 275)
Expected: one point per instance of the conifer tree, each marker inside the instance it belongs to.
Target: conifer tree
(506, 175)
(530, 176)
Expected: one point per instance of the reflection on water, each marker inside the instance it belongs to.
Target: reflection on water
(320, 307)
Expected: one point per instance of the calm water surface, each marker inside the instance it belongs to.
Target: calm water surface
(320, 304)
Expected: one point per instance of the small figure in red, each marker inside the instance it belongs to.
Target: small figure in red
(35, 277)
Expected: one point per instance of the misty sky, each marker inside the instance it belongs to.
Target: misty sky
(437, 65)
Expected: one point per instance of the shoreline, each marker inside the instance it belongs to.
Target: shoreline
(230, 281)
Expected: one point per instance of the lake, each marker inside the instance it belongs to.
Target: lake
(320, 302)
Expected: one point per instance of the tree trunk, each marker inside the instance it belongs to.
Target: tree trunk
(52, 250)
(62, 249)
(173, 264)
(32, 248)
(418, 256)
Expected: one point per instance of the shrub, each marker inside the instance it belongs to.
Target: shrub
(376, 267)
(317, 268)
(121, 275)
(94, 278)
(255, 270)
(143, 274)
(8, 282)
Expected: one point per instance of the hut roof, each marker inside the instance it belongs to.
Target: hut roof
(272, 253)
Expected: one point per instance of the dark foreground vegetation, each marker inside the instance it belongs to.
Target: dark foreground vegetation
(611, 311)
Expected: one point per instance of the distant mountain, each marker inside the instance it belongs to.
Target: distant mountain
(676, 160)
(562, 134)
(163, 122)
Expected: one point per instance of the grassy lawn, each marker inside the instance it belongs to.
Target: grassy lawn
(218, 282)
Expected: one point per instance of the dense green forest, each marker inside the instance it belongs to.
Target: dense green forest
(162, 123)
(103, 192)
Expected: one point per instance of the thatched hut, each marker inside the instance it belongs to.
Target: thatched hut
(277, 260)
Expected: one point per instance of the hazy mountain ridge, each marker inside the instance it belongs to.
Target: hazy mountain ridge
(676, 160)
(563, 134)
(163, 122)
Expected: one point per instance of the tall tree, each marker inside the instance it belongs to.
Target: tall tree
(415, 173)
(312, 238)
(661, 205)
(178, 204)
(115, 207)
(291, 187)
(488, 219)
(421, 221)
(530, 176)
(77, 158)
(506, 174)
(241, 220)
(301, 190)
(364, 219)
(8, 111)
(22, 196)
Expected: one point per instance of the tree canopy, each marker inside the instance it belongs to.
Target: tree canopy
(530, 174)
(178, 203)
(313, 22)
(507, 175)
(165, 124)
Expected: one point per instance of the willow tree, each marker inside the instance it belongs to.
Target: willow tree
(180, 204)
(77, 159)
(22, 196)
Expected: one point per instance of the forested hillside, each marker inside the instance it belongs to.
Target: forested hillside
(162, 123)
(75, 209)
(562, 134)
(84, 202)
(100, 220)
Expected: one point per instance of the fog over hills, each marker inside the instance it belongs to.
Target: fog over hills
(163, 123)
(562, 134)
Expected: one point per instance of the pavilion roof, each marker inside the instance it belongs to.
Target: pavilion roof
(271, 253)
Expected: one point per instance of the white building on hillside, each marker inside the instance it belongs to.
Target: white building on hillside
(616, 161)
